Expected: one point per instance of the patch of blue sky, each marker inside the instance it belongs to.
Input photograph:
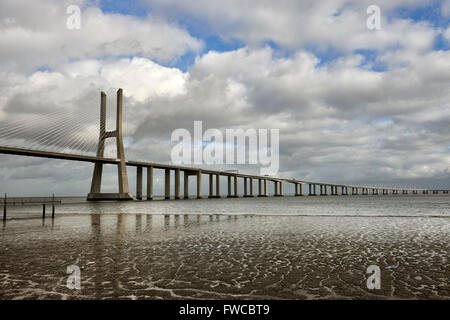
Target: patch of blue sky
(126, 7)
(279, 52)
(370, 61)
(440, 43)
(211, 43)
(325, 55)
(430, 12)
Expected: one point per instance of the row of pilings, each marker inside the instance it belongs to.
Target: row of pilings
(249, 186)
(14, 201)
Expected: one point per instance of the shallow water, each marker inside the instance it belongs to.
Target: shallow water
(275, 248)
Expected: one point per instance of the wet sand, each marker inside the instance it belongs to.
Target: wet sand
(139, 256)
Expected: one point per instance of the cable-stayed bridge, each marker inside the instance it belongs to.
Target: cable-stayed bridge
(74, 136)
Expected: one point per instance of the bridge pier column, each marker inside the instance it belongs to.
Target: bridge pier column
(177, 183)
(229, 188)
(235, 187)
(333, 190)
(186, 184)
(217, 186)
(265, 188)
(138, 183)
(245, 187)
(323, 190)
(259, 188)
(149, 183)
(167, 184)
(210, 186)
(275, 188)
(251, 186)
(199, 184)
(312, 189)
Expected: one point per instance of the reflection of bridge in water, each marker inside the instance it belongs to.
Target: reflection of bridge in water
(123, 193)
(138, 223)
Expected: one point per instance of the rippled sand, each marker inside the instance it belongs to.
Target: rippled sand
(224, 257)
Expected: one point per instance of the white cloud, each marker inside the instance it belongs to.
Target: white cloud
(295, 24)
(35, 34)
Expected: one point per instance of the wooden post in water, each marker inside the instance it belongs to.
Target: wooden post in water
(43, 211)
(4, 209)
(53, 206)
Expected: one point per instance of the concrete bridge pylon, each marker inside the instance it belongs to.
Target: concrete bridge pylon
(124, 190)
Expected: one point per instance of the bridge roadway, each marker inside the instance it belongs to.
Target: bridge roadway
(196, 171)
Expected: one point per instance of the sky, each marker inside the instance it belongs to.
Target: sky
(353, 104)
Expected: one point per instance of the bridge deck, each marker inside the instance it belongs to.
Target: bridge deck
(74, 157)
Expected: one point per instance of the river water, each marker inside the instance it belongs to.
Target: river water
(255, 248)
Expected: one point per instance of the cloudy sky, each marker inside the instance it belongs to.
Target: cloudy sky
(353, 104)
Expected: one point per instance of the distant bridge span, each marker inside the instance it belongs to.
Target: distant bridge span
(124, 193)
(195, 171)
